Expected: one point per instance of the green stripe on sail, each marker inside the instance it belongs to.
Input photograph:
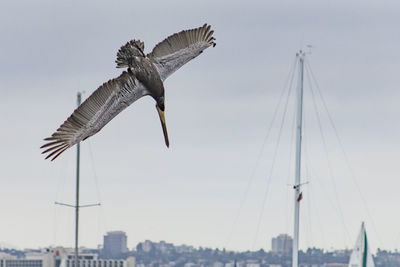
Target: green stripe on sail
(365, 252)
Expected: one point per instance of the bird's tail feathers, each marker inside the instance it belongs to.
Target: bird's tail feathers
(128, 51)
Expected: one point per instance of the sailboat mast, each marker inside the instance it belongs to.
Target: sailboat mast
(79, 96)
(297, 193)
(77, 206)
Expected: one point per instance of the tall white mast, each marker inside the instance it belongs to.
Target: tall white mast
(297, 184)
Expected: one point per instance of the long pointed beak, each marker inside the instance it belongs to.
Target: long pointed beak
(163, 124)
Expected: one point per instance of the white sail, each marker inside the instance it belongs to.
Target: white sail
(63, 262)
(361, 255)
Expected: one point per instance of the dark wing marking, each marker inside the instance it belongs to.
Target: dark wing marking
(179, 48)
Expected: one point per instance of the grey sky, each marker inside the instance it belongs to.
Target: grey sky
(218, 108)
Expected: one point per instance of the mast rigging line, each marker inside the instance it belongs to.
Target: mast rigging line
(309, 174)
(61, 178)
(290, 170)
(346, 158)
(273, 160)
(307, 170)
(325, 148)
(311, 195)
(94, 172)
(102, 219)
(287, 85)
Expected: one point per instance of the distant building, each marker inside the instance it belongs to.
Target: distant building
(184, 249)
(114, 245)
(130, 262)
(21, 263)
(4, 255)
(147, 246)
(92, 260)
(218, 264)
(164, 247)
(61, 257)
(44, 258)
(282, 244)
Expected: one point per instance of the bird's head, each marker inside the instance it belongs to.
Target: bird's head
(160, 106)
(160, 102)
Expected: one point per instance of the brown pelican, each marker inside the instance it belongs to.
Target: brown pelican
(145, 75)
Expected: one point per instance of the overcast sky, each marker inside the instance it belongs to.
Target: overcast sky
(208, 188)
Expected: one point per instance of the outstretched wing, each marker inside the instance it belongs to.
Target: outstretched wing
(179, 48)
(94, 113)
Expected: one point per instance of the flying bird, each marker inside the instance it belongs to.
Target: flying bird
(144, 75)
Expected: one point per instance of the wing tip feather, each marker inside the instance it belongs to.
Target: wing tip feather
(53, 147)
(173, 43)
(58, 149)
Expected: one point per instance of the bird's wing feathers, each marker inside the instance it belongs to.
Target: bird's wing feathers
(94, 113)
(128, 51)
(179, 48)
(115, 95)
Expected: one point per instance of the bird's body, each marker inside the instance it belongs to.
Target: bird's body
(144, 76)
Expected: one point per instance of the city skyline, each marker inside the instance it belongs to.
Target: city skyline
(164, 254)
(114, 244)
(207, 189)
